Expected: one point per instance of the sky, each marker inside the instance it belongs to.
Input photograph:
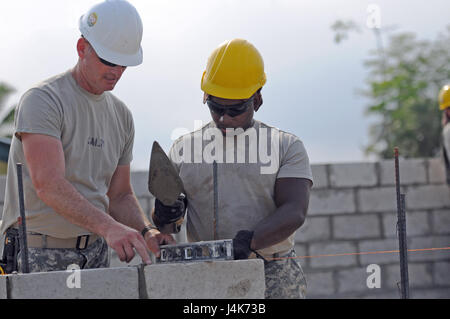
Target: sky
(312, 82)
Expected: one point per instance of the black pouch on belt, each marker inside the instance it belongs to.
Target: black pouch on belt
(10, 251)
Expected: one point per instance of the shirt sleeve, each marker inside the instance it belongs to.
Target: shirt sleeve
(127, 153)
(295, 161)
(38, 113)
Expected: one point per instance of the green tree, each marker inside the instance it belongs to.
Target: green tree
(403, 82)
(6, 122)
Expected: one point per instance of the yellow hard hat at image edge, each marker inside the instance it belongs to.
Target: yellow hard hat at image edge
(235, 70)
(444, 97)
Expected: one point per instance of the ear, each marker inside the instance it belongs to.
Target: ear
(258, 100)
(82, 46)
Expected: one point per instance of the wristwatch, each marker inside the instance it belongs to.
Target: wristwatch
(146, 229)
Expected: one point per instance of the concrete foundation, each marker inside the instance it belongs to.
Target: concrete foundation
(111, 283)
(208, 280)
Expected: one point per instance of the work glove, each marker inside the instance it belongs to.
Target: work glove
(168, 219)
(241, 244)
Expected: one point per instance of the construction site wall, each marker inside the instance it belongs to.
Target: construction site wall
(347, 246)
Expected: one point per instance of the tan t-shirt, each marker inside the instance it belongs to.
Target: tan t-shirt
(248, 165)
(446, 137)
(96, 132)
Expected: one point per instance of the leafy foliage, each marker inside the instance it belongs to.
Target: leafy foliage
(402, 86)
(7, 121)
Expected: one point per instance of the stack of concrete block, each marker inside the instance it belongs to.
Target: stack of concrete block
(353, 209)
(243, 279)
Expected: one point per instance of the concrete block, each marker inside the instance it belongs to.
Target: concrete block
(206, 280)
(412, 171)
(428, 196)
(381, 294)
(106, 283)
(419, 276)
(300, 250)
(320, 284)
(139, 182)
(377, 199)
(326, 201)
(3, 287)
(352, 280)
(356, 227)
(314, 229)
(375, 247)
(441, 221)
(441, 272)
(436, 171)
(430, 293)
(353, 175)
(332, 248)
(416, 224)
(114, 261)
(428, 242)
(2, 187)
(319, 173)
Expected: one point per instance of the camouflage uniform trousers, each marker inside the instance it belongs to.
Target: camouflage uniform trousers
(285, 278)
(96, 255)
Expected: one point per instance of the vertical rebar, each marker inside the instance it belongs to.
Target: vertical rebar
(403, 250)
(401, 227)
(216, 198)
(22, 223)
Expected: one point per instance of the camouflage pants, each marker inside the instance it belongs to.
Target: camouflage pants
(96, 255)
(285, 278)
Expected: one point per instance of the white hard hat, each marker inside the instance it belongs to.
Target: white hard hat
(114, 29)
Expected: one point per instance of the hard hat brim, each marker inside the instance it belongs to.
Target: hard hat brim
(119, 59)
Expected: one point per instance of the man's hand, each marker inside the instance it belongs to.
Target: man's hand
(241, 244)
(124, 240)
(154, 239)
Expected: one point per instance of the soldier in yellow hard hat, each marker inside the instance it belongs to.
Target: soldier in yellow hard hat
(260, 186)
(444, 105)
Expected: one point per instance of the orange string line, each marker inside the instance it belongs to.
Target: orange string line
(362, 253)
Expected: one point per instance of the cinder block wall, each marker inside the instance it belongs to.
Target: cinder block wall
(353, 211)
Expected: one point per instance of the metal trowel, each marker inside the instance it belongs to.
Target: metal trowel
(163, 180)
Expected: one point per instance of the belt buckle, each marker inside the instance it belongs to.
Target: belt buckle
(79, 241)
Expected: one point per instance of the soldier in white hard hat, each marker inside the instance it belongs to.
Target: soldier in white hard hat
(75, 139)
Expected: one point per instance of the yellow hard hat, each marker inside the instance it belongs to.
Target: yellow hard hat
(235, 70)
(444, 97)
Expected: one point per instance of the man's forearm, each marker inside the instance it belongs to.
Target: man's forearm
(60, 195)
(277, 227)
(126, 210)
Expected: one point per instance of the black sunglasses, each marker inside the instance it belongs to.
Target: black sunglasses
(102, 60)
(109, 63)
(231, 110)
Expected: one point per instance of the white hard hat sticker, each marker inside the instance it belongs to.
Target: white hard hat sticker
(92, 19)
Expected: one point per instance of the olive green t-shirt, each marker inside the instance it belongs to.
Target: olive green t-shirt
(96, 133)
(248, 165)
